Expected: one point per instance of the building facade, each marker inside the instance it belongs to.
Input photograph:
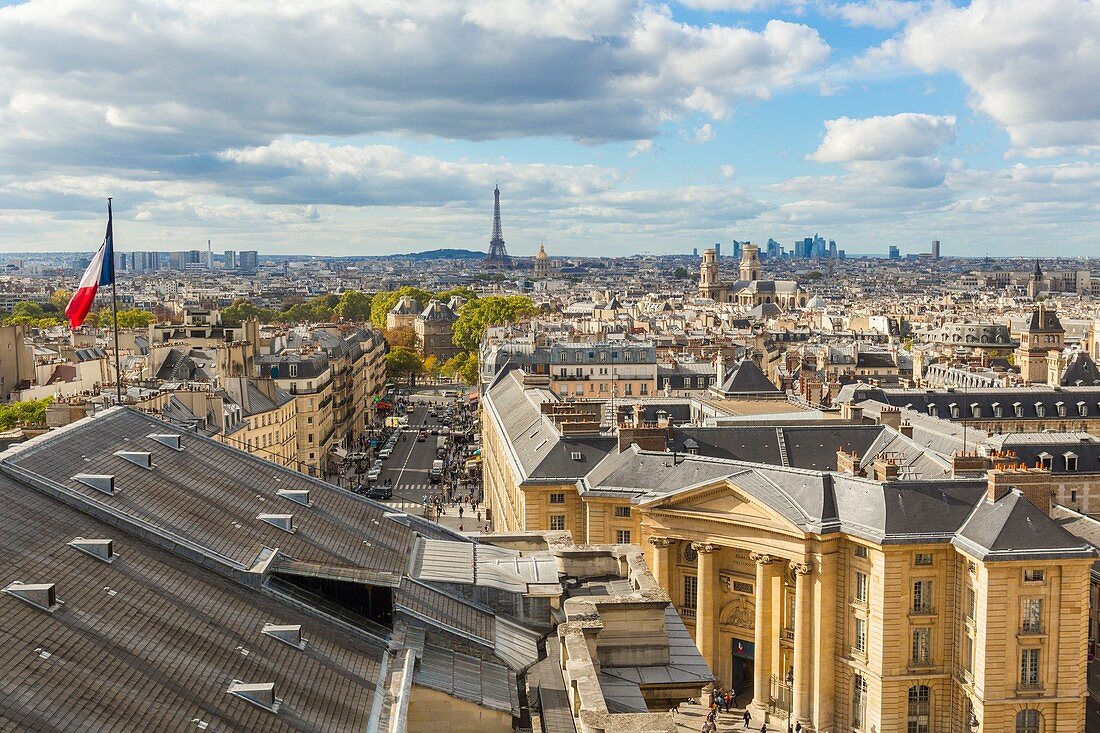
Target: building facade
(851, 602)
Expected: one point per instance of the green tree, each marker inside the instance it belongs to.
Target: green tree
(28, 309)
(470, 369)
(315, 310)
(31, 412)
(401, 362)
(133, 318)
(240, 310)
(353, 305)
(680, 273)
(453, 366)
(493, 310)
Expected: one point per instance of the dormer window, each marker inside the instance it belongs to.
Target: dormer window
(1040, 409)
(1018, 409)
(954, 407)
(1045, 460)
(975, 410)
(1061, 408)
(1071, 460)
(932, 410)
(1082, 409)
(998, 410)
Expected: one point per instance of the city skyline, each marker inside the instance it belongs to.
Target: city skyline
(628, 125)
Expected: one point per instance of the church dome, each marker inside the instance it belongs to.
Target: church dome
(542, 253)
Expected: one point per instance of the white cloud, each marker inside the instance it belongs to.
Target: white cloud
(884, 137)
(881, 14)
(737, 6)
(577, 20)
(642, 146)
(703, 134)
(1030, 66)
(167, 80)
(728, 171)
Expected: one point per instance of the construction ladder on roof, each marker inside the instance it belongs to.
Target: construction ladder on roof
(782, 447)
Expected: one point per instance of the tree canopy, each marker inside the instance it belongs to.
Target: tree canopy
(402, 362)
(31, 412)
(493, 310)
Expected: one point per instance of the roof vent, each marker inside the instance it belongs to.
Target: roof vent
(284, 522)
(298, 496)
(172, 440)
(260, 694)
(287, 633)
(97, 481)
(43, 595)
(137, 457)
(100, 549)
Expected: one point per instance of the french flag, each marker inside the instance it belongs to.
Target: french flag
(101, 271)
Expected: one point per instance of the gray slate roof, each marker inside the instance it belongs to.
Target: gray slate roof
(152, 642)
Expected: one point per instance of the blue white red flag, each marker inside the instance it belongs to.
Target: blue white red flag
(101, 271)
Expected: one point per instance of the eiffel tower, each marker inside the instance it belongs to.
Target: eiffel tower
(498, 255)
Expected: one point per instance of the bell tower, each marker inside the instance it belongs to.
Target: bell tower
(750, 263)
(708, 275)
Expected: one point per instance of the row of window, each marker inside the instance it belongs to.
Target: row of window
(919, 710)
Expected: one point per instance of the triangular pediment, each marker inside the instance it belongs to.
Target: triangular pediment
(724, 500)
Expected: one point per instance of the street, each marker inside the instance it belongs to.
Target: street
(408, 469)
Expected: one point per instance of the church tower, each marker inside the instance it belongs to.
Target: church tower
(1042, 339)
(708, 276)
(750, 263)
(1035, 282)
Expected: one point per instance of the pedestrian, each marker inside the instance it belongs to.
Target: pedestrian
(728, 699)
(747, 718)
(460, 510)
(798, 728)
(459, 526)
(763, 728)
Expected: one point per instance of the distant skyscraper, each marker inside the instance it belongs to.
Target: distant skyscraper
(230, 259)
(935, 249)
(694, 251)
(832, 249)
(895, 252)
(498, 254)
(774, 249)
(717, 250)
(248, 261)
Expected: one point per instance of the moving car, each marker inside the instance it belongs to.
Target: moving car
(422, 436)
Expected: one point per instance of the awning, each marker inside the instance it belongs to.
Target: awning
(474, 397)
(385, 405)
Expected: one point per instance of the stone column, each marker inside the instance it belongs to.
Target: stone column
(705, 600)
(803, 650)
(662, 563)
(761, 669)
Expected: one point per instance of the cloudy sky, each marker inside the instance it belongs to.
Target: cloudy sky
(612, 126)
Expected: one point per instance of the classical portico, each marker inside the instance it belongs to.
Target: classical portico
(750, 588)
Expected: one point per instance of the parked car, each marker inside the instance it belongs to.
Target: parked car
(380, 492)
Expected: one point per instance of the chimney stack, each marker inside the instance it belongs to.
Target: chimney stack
(1033, 483)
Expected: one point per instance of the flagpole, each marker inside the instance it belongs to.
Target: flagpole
(114, 312)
